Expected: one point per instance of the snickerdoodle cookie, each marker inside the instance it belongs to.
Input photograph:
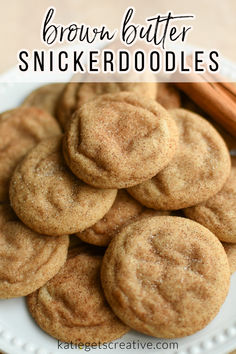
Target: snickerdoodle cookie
(198, 170)
(124, 211)
(218, 213)
(72, 307)
(20, 130)
(45, 97)
(27, 259)
(48, 198)
(76, 94)
(230, 249)
(119, 140)
(168, 95)
(165, 276)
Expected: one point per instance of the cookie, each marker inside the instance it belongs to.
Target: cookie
(166, 276)
(124, 211)
(197, 172)
(76, 94)
(27, 259)
(187, 103)
(20, 130)
(71, 307)
(230, 249)
(228, 138)
(67, 103)
(88, 90)
(119, 140)
(218, 213)
(48, 198)
(45, 97)
(168, 95)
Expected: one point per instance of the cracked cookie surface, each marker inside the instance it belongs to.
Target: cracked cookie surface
(198, 170)
(20, 130)
(166, 276)
(27, 259)
(72, 307)
(119, 140)
(48, 198)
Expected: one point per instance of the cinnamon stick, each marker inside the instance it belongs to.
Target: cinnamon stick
(218, 99)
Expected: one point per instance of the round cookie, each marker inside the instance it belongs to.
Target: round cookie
(124, 211)
(230, 249)
(48, 198)
(76, 94)
(218, 213)
(45, 97)
(71, 307)
(27, 259)
(119, 140)
(168, 95)
(20, 130)
(166, 276)
(198, 170)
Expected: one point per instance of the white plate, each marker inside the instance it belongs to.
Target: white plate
(20, 335)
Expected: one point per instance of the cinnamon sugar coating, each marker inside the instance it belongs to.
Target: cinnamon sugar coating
(27, 259)
(76, 94)
(165, 276)
(48, 198)
(119, 140)
(218, 213)
(199, 169)
(124, 211)
(72, 307)
(20, 130)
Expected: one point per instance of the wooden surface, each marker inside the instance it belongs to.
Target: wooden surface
(20, 21)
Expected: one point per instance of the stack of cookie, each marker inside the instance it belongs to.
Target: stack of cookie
(113, 169)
